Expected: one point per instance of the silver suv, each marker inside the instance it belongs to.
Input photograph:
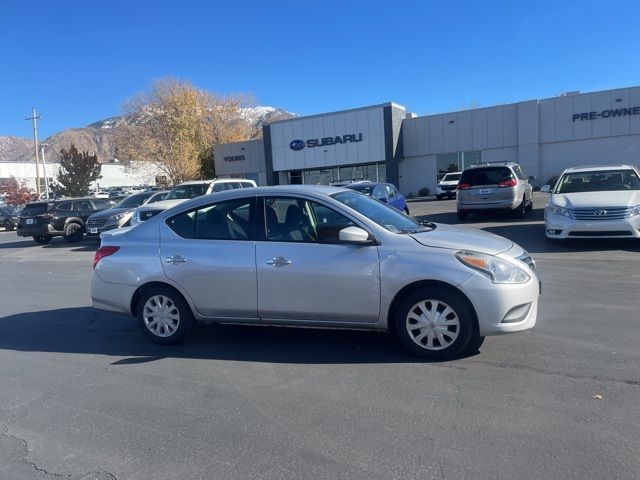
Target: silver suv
(495, 186)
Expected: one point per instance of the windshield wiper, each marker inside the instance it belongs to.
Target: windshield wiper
(424, 227)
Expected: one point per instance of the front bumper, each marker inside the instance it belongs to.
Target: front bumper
(560, 227)
(445, 192)
(503, 308)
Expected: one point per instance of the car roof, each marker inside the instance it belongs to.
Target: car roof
(491, 164)
(215, 180)
(597, 168)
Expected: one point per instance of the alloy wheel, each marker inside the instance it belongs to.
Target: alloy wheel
(432, 324)
(161, 316)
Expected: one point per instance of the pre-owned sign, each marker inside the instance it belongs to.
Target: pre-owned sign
(325, 141)
(614, 112)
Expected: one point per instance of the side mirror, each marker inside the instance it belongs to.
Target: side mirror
(354, 235)
(546, 189)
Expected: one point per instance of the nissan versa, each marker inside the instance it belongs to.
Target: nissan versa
(315, 256)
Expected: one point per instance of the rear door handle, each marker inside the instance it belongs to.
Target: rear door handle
(279, 261)
(175, 259)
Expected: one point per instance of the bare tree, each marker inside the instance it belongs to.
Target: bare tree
(175, 125)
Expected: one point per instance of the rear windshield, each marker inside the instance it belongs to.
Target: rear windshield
(486, 176)
(34, 209)
(599, 181)
(451, 177)
(188, 191)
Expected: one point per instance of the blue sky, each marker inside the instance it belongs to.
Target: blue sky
(77, 61)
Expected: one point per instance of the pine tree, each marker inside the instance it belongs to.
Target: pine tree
(77, 171)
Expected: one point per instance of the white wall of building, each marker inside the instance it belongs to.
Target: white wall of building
(244, 159)
(112, 174)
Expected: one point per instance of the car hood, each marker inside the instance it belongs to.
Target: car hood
(108, 212)
(615, 198)
(164, 204)
(459, 238)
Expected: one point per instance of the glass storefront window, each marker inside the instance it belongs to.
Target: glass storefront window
(456, 162)
(376, 172)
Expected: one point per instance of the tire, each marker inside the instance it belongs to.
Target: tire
(475, 342)
(521, 210)
(434, 340)
(73, 232)
(439, 197)
(8, 226)
(42, 239)
(462, 215)
(174, 325)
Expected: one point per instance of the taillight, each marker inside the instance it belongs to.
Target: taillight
(508, 183)
(103, 252)
(464, 186)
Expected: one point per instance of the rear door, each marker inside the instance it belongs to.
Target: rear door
(209, 251)
(480, 186)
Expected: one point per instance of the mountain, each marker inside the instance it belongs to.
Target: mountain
(14, 147)
(100, 136)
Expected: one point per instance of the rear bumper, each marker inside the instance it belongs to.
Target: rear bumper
(511, 204)
(559, 227)
(47, 229)
(113, 297)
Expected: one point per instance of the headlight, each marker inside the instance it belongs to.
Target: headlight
(563, 212)
(497, 269)
(118, 216)
(635, 211)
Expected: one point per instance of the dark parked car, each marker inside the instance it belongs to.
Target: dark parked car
(385, 192)
(64, 218)
(119, 215)
(9, 218)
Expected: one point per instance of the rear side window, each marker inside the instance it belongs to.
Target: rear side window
(32, 209)
(486, 176)
(67, 206)
(229, 220)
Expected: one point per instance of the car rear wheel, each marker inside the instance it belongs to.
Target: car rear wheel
(42, 239)
(73, 233)
(439, 197)
(521, 210)
(164, 316)
(434, 323)
(8, 226)
(462, 215)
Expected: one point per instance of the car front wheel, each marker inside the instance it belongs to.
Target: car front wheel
(73, 233)
(164, 316)
(434, 323)
(8, 226)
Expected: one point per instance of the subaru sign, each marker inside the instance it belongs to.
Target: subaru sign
(325, 141)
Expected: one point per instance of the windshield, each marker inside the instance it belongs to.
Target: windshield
(598, 181)
(133, 201)
(366, 189)
(188, 191)
(384, 215)
(451, 177)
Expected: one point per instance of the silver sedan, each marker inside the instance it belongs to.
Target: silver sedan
(315, 256)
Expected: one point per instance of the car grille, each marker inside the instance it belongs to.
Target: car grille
(611, 213)
(610, 233)
(96, 223)
(448, 188)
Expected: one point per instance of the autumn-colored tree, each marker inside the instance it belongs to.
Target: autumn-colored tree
(77, 171)
(17, 193)
(176, 125)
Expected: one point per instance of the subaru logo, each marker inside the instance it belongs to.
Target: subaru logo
(600, 213)
(296, 145)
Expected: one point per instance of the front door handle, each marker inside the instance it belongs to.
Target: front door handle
(279, 261)
(175, 259)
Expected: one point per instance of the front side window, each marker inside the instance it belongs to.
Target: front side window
(82, 205)
(598, 181)
(290, 219)
(187, 191)
(228, 220)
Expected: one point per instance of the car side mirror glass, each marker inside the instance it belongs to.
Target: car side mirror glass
(354, 235)
(546, 189)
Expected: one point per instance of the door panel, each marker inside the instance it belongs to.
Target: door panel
(219, 274)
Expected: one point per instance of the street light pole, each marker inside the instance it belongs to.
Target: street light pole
(44, 171)
(35, 117)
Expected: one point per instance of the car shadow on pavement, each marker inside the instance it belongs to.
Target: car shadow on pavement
(84, 330)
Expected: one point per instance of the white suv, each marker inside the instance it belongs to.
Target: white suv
(185, 191)
(447, 185)
(588, 202)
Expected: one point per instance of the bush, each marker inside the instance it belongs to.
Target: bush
(424, 192)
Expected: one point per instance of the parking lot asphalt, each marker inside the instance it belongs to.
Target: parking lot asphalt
(84, 395)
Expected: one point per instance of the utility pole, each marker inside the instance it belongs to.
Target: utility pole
(44, 171)
(35, 117)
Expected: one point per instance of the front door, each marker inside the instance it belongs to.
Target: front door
(305, 273)
(210, 253)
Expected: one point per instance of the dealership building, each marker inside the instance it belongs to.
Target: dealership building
(387, 143)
